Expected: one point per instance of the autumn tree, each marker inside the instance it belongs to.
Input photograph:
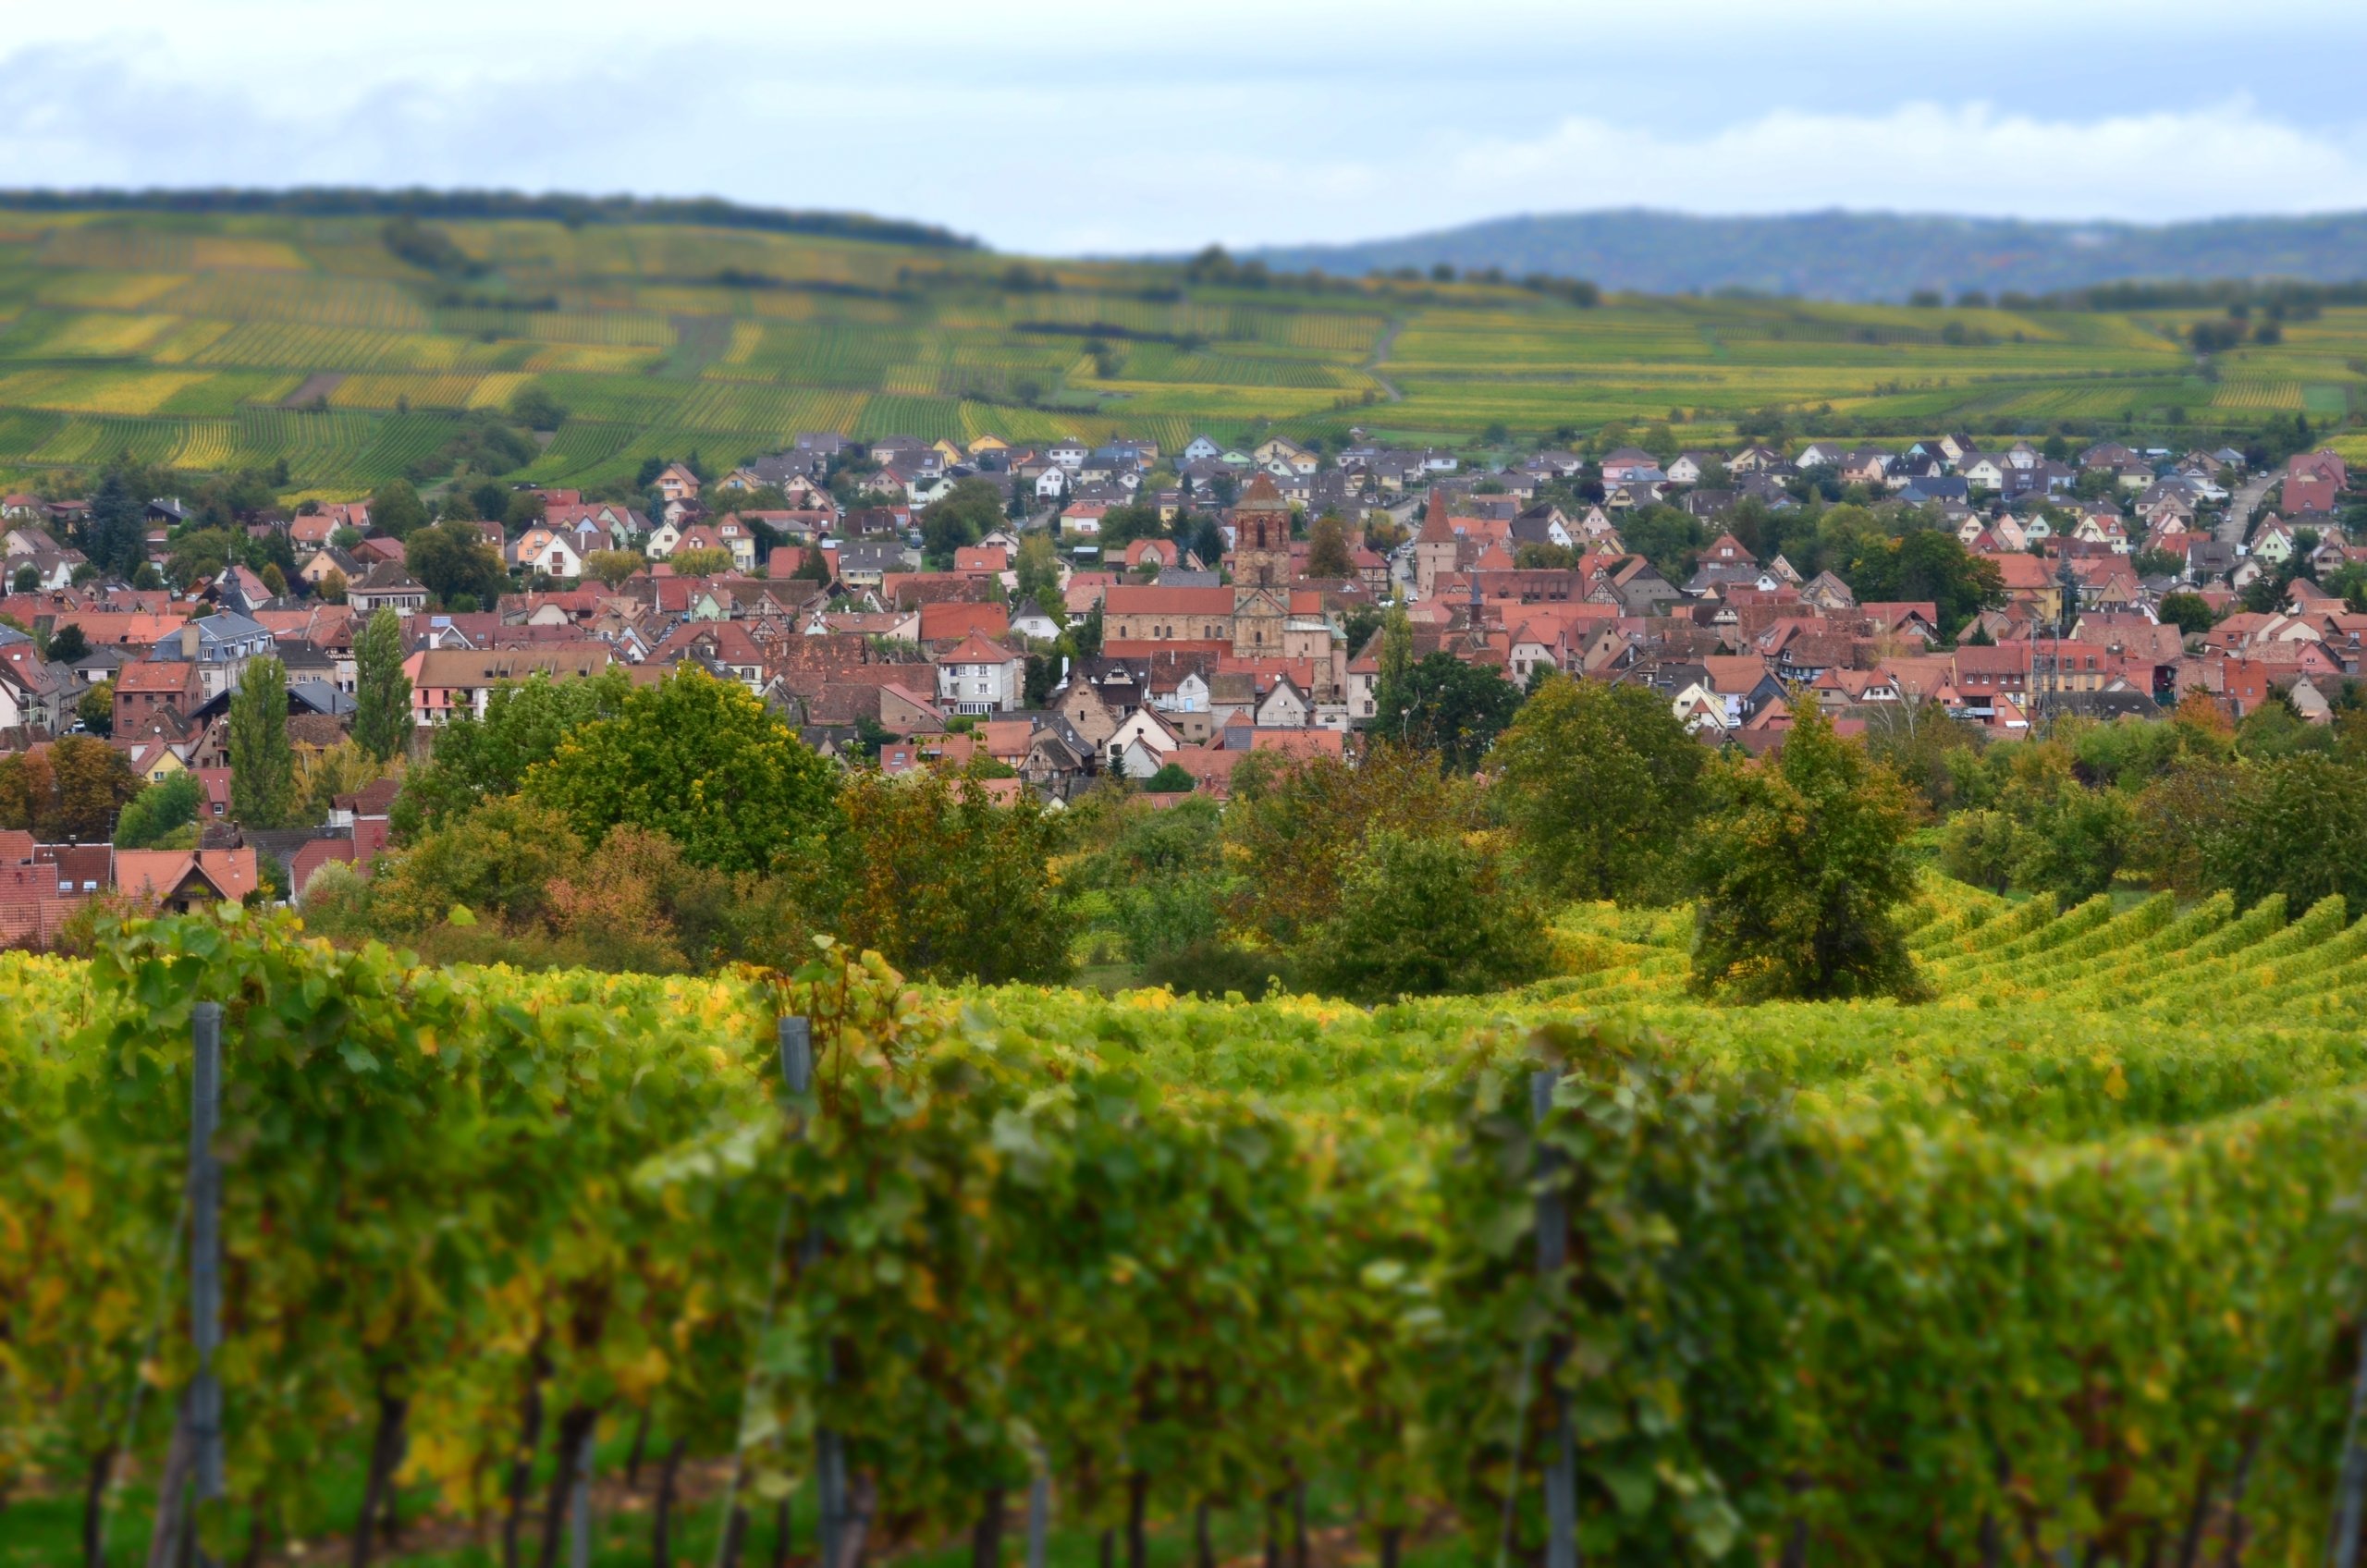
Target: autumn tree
(700, 760)
(1600, 786)
(496, 861)
(945, 882)
(69, 789)
(1294, 824)
(263, 764)
(1328, 554)
(1799, 870)
(381, 716)
(331, 587)
(707, 562)
(613, 567)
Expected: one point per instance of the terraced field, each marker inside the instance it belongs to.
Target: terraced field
(171, 335)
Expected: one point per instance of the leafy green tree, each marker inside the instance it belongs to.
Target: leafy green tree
(66, 644)
(496, 861)
(263, 764)
(2297, 826)
(452, 562)
(1170, 780)
(115, 534)
(1155, 878)
(395, 510)
(1601, 787)
(1799, 871)
(1424, 915)
(700, 760)
(961, 516)
(2189, 612)
(1454, 708)
(382, 716)
(479, 759)
(201, 553)
(534, 408)
(96, 709)
(943, 882)
(158, 810)
(1293, 826)
(26, 581)
(1982, 848)
(1923, 564)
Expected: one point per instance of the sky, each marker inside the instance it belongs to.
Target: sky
(1132, 126)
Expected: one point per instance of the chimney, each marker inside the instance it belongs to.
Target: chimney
(188, 641)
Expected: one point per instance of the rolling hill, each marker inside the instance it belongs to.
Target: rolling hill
(355, 344)
(1864, 256)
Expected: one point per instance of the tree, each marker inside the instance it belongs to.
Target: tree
(395, 510)
(26, 581)
(382, 716)
(331, 587)
(1424, 915)
(1798, 873)
(1923, 564)
(452, 561)
(1981, 848)
(944, 882)
(1170, 780)
(2297, 827)
(700, 562)
(478, 759)
(1600, 786)
(66, 644)
(1454, 708)
(496, 861)
(263, 764)
(534, 407)
(72, 791)
(2190, 613)
(700, 760)
(1390, 698)
(961, 516)
(1328, 554)
(96, 709)
(159, 812)
(613, 567)
(1294, 824)
(115, 534)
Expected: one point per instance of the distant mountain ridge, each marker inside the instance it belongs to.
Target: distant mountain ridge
(1860, 256)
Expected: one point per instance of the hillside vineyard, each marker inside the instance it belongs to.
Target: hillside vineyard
(2063, 1261)
(352, 350)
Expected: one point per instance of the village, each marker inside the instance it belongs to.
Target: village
(1120, 612)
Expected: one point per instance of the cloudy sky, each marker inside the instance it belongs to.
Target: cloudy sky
(1059, 127)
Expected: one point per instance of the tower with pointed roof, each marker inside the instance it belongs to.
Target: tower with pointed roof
(1435, 547)
(1261, 536)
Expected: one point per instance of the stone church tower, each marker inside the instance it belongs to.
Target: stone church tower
(1261, 538)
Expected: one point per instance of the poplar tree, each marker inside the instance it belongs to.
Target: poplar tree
(262, 764)
(382, 717)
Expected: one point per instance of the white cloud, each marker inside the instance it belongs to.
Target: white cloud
(1088, 131)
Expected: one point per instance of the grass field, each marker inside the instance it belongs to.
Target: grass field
(179, 336)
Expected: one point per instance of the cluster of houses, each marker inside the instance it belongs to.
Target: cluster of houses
(826, 610)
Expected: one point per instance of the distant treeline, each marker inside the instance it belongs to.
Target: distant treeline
(2276, 297)
(345, 201)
